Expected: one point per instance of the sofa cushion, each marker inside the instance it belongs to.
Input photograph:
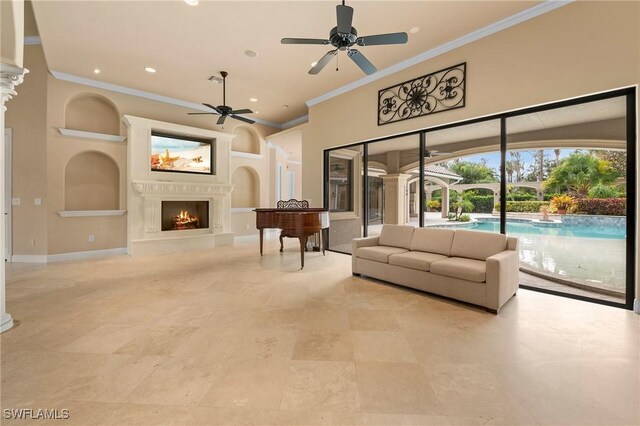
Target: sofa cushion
(415, 260)
(477, 244)
(433, 240)
(463, 268)
(396, 236)
(378, 253)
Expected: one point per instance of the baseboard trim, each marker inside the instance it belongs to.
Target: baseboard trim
(91, 254)
(636, 306)
(246, 238)
(29, 258)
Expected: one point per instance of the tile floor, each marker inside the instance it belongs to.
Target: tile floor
(227, 337)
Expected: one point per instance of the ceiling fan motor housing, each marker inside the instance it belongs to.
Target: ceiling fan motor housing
(342, 41)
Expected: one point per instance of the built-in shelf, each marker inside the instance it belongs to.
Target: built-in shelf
(91, 135)
(91, 213)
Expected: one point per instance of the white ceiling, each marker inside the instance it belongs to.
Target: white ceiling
(187, 44)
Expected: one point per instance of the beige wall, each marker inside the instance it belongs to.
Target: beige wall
(26, 115)
(578, 49)
(91, 182)
(41, 154)
(246, 188)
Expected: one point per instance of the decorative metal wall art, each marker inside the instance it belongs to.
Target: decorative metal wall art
(436, 92)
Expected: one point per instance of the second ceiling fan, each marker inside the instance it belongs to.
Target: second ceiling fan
(223, 110)
(344, 37)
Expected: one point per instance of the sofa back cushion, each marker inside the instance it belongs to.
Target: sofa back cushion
(396, 236)
(477, 244)
(433, 240)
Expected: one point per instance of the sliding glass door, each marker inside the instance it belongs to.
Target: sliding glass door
(560, 177)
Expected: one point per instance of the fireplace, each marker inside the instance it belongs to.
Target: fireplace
(183, 215)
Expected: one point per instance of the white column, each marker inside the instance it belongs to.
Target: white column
(10, 77)
(395, 198)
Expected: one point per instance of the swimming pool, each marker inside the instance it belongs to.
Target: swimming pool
(563, 230)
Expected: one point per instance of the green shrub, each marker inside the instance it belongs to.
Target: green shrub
(521, 197)
(433, 205)
(465, 217)
(603, 191)
(482, 203)
(602, 206)
(523, 206)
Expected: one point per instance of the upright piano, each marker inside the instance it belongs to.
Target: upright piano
(298, 223)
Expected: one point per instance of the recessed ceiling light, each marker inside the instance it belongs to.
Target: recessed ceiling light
(256, 112)
(285, 106)
(251, 53)
(313, 64)
(192, 2)
(253, 99)
(150, 70)
(96, 71)
(414, 30)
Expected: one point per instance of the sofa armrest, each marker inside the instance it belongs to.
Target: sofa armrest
(356, 243)
(503, 274)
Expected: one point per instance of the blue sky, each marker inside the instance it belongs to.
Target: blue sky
(159, 143)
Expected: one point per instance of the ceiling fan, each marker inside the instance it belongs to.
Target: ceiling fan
(223, 110)
(434, 153)
(344, 37)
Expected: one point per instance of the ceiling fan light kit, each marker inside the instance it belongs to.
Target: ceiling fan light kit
(343, 37)
(224, 110)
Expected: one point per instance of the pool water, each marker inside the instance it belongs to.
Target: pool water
(565, 230)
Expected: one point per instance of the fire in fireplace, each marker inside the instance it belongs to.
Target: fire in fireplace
(181, 215)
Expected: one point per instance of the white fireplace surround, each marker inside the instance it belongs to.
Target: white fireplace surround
(147, 189)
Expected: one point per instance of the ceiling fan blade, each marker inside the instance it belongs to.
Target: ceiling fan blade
(361, 61)
(202, 113)
(323, 62)
(378, 39)
(245, 119)
(213, 108)
(221, 119)
(242, 111)
(345, 18)
(289, 40)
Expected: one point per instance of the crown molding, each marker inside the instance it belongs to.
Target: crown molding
(142, 94)
(31, 40)
(490, 29)
(295, 122)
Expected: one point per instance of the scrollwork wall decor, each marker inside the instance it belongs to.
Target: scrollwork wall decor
(436, 92)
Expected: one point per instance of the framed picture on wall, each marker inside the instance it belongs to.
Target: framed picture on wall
(181, 154)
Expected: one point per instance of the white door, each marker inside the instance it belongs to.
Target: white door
(291, 185)
(7, 249)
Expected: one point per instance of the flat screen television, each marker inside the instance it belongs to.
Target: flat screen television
(181, 154)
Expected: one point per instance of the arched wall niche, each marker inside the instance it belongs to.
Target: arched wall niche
(246, 140)
(246, 188)
(91, 112)
(91, 182)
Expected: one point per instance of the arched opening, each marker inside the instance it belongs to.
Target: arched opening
(91, 182)
(246, 188)
(245, 141)
(91, 112)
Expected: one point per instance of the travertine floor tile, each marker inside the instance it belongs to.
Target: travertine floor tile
(389, 346)
(372, 320)
(396, 388)
(321, 386)
(248, 382)
(323, 345)
(177, 381)
(225, 336)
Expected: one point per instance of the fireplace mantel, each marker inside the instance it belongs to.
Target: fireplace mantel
(205, 190)
(147, 189)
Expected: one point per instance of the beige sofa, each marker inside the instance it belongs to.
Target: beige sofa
(475, 267)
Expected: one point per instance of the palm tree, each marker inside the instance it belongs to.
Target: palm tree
(462, 203)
